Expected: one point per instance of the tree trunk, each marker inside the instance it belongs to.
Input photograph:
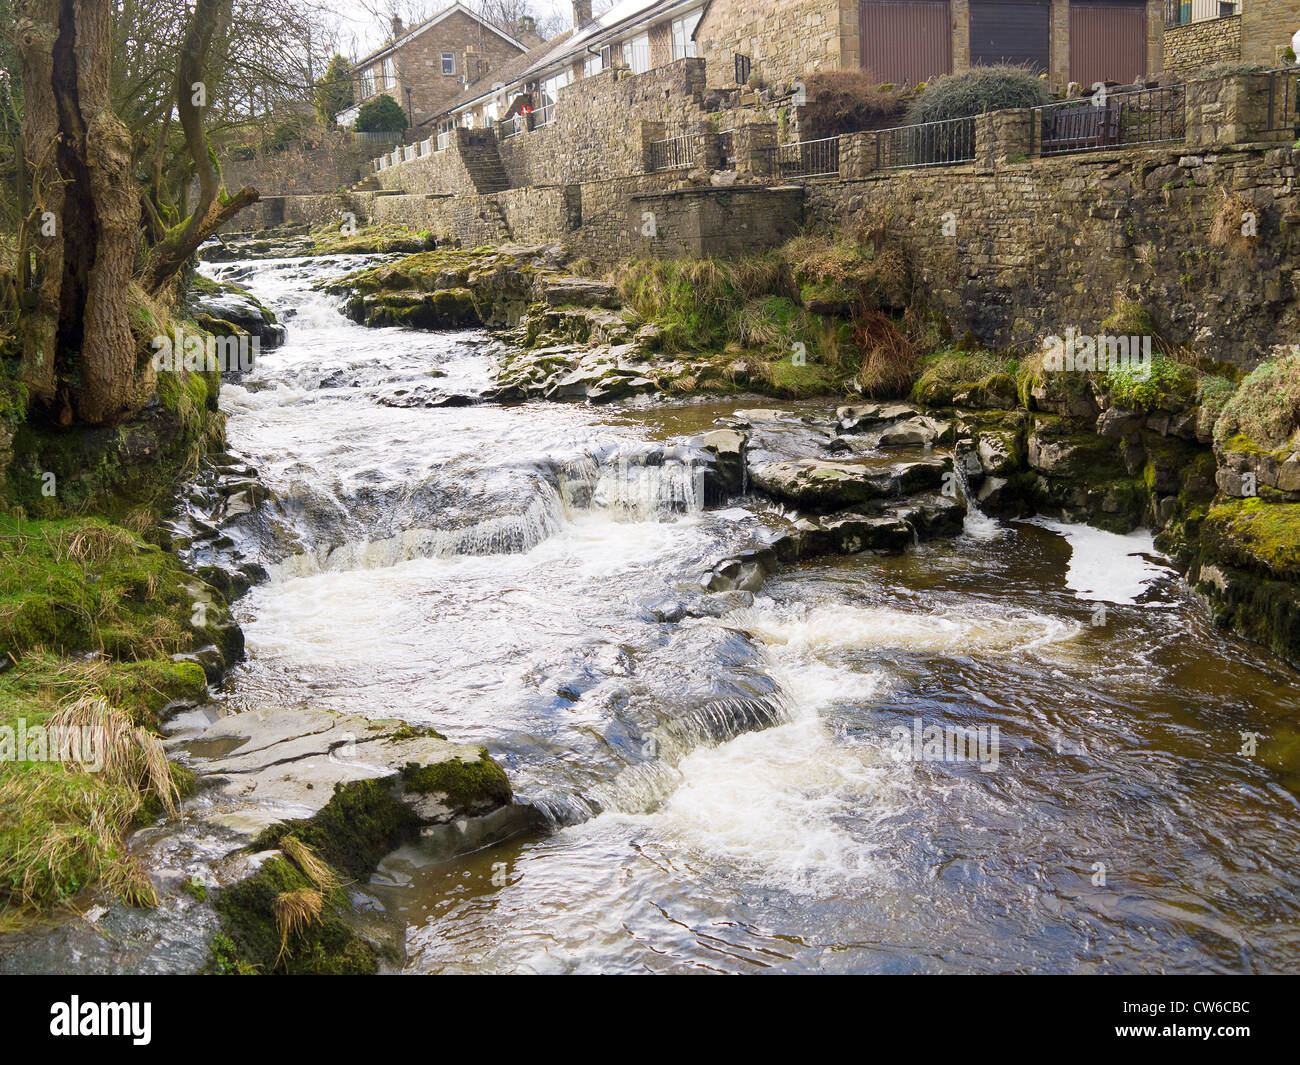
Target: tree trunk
(79, 356)
(214, 208)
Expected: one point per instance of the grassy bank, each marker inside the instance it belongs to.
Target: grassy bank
(99, 625)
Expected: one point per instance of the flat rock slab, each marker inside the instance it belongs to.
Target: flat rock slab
(822, 486)
(270, 766)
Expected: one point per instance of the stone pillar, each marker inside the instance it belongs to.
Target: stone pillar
(648, 133)
(858, 156)
(1236, 110)
(707, 155)
(960, 35)
(1002, 137)
(1058, 70)
(753, 155)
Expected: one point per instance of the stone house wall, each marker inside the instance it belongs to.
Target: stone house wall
(785, 40)
(1192, 48)
(1267, 26)
(417, 61)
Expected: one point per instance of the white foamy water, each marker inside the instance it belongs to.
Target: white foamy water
(838, 627)
(1105, 566)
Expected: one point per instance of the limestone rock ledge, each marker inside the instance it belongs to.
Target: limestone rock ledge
(308, 803)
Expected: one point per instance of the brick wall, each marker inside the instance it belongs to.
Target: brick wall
(300, 169)
(1050, 243)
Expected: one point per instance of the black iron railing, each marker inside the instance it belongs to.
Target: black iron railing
(803, 159)
(944, 143)
(1283, 89)
(1112, 120)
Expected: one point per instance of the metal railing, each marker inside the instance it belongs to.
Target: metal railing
(513, 126)
(674, 153)
(1112, 120)
(444, 140)
(380, 137)
(544, 116)
(1185, 12)
(805, 159)
(945, 143)
(1283, 105)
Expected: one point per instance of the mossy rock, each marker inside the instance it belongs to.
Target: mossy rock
(1250, 534)
(467, 786)
(253, 939)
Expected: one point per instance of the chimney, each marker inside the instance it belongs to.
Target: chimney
(527, 25)
(398, 28)
(581, 14)
(474, 66)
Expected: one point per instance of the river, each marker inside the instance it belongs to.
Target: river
(732, 789)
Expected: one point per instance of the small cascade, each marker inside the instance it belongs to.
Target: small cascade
(625, 486)
(977, 524)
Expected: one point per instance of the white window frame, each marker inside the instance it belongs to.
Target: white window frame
(636, 53)
(683, 46)
(390, 73)
(449, 59)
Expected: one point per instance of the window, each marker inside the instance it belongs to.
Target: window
(743, 66)
(390, 74)
(636, 54)
(594, 64)
(683, 46)
(491, 113)
(551, 86)
(367, 83)
(449, 62)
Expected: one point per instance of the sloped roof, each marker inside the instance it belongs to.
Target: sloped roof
(504, 75)
(428, 24)
(618, 19)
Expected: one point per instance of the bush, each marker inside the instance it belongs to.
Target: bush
(848, 101)
(381, 115)
(977, 91)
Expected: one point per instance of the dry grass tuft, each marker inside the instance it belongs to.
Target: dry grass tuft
(294, 912)
(313, 868)
(888, 358)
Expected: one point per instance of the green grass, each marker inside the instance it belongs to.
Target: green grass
(1266, 407)
(76, 585)
(949, 372)
(1167, 385)
(89, 617)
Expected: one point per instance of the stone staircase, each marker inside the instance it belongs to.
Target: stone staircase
(478, 151)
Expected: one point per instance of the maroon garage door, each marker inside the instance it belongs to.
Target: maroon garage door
(1108, 40)
(905, 41)
(1011, 31)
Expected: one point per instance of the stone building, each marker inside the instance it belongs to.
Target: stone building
(427, 66)
(910, 41)
(1202, 33)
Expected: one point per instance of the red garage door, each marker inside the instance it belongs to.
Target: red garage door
(906, 41)
(1108, 41)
